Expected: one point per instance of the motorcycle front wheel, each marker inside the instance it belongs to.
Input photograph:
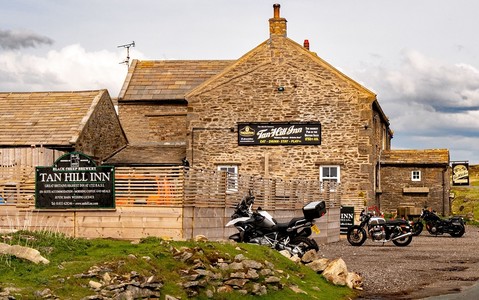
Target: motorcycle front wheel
(417, 228)
(301, 245)
(458, 231)
(356, 235)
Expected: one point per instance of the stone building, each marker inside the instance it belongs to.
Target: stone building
(38, 127)
(235, 116)
(413, 179)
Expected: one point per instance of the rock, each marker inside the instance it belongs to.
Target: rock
(272, 279)
(259, 289)
(252, 274)
(295, 259)
(285, 253)
(236, 282)
(318, 265)
(27, 253)
(240, 275)
(252, 264)
(240, 257)
(336, 272)
(309, 256)
(225, 289)
(94, 285)
(236, 266)
(210, 294)
(354, 281)
(169, 297)
(201, 238)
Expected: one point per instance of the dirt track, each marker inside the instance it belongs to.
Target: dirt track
(429, 266)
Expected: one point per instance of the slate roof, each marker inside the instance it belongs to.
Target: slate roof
(149, 155)
(167, 79)
(416, 157)
(45, 118)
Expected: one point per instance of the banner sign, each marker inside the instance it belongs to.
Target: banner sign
(75, 182)
(460, 173)
(346, 218)
(275, 134)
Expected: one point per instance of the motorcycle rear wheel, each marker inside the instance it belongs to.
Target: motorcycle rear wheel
(301, 245)
(356, 235)
(403, 242)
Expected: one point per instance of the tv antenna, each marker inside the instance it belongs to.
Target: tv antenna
(127, 46)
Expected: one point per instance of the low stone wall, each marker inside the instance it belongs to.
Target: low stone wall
(130, 222)
(211, 223)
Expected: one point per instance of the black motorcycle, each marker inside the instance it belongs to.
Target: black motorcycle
(259, 227)
(435, 225)
(380, 230)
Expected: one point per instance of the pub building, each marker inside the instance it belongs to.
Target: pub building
(278, 111)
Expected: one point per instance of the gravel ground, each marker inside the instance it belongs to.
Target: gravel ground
(429, 266)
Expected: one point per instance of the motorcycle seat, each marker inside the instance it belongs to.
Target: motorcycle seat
(284, 226)
(397, 221)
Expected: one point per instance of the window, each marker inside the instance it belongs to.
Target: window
(416, 175)
(330, 174)
(231, 177)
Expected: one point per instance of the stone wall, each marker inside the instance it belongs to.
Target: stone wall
(211, 223)
(313, 91)
(399, 190)
(153, 122)
(102, 134)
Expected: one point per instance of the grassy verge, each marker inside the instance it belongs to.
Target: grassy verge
(70, 257)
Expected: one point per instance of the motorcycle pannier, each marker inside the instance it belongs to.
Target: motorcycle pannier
(314, 210)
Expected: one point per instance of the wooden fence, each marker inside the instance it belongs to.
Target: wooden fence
(177, 186)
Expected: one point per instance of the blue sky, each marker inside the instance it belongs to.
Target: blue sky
(421, 58)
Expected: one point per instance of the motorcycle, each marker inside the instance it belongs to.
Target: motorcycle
(380, 230)
(259, 227)
(435, 225)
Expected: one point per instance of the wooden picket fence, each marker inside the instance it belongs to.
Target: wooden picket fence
(176, 186)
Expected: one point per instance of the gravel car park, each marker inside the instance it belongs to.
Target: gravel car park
(429, 266)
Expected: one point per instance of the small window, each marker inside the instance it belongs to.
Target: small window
(231, 177)
(416, 175)
(329, 174)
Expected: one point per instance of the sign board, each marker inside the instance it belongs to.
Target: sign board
(277, 134)
(75, 182)
(460, 173)
(346, 218)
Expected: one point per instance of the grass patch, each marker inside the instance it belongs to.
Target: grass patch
(71, 257)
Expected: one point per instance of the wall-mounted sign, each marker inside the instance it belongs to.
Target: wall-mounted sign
(460, 173)
(346, 218)
(76, 182)
(276, 134)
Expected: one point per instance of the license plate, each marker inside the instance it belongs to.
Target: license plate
(315, 229)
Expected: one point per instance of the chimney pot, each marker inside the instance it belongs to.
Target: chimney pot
(306, 44)
(276, 8)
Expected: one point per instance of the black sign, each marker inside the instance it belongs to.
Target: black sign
(74, 181)
(460, 173)
(276, 134)
(346, 218)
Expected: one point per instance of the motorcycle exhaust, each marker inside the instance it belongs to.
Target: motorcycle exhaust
(401, 236)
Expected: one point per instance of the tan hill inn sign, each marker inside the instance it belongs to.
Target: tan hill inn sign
(75, 181)
(273, 134)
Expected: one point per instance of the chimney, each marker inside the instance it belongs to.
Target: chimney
(277, 25)
(306, 44)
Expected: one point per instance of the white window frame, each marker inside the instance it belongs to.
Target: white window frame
(231, 177)
(416, 175)
(323, 178)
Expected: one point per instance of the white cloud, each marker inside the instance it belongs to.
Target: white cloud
(430, 103)
(70, 68)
